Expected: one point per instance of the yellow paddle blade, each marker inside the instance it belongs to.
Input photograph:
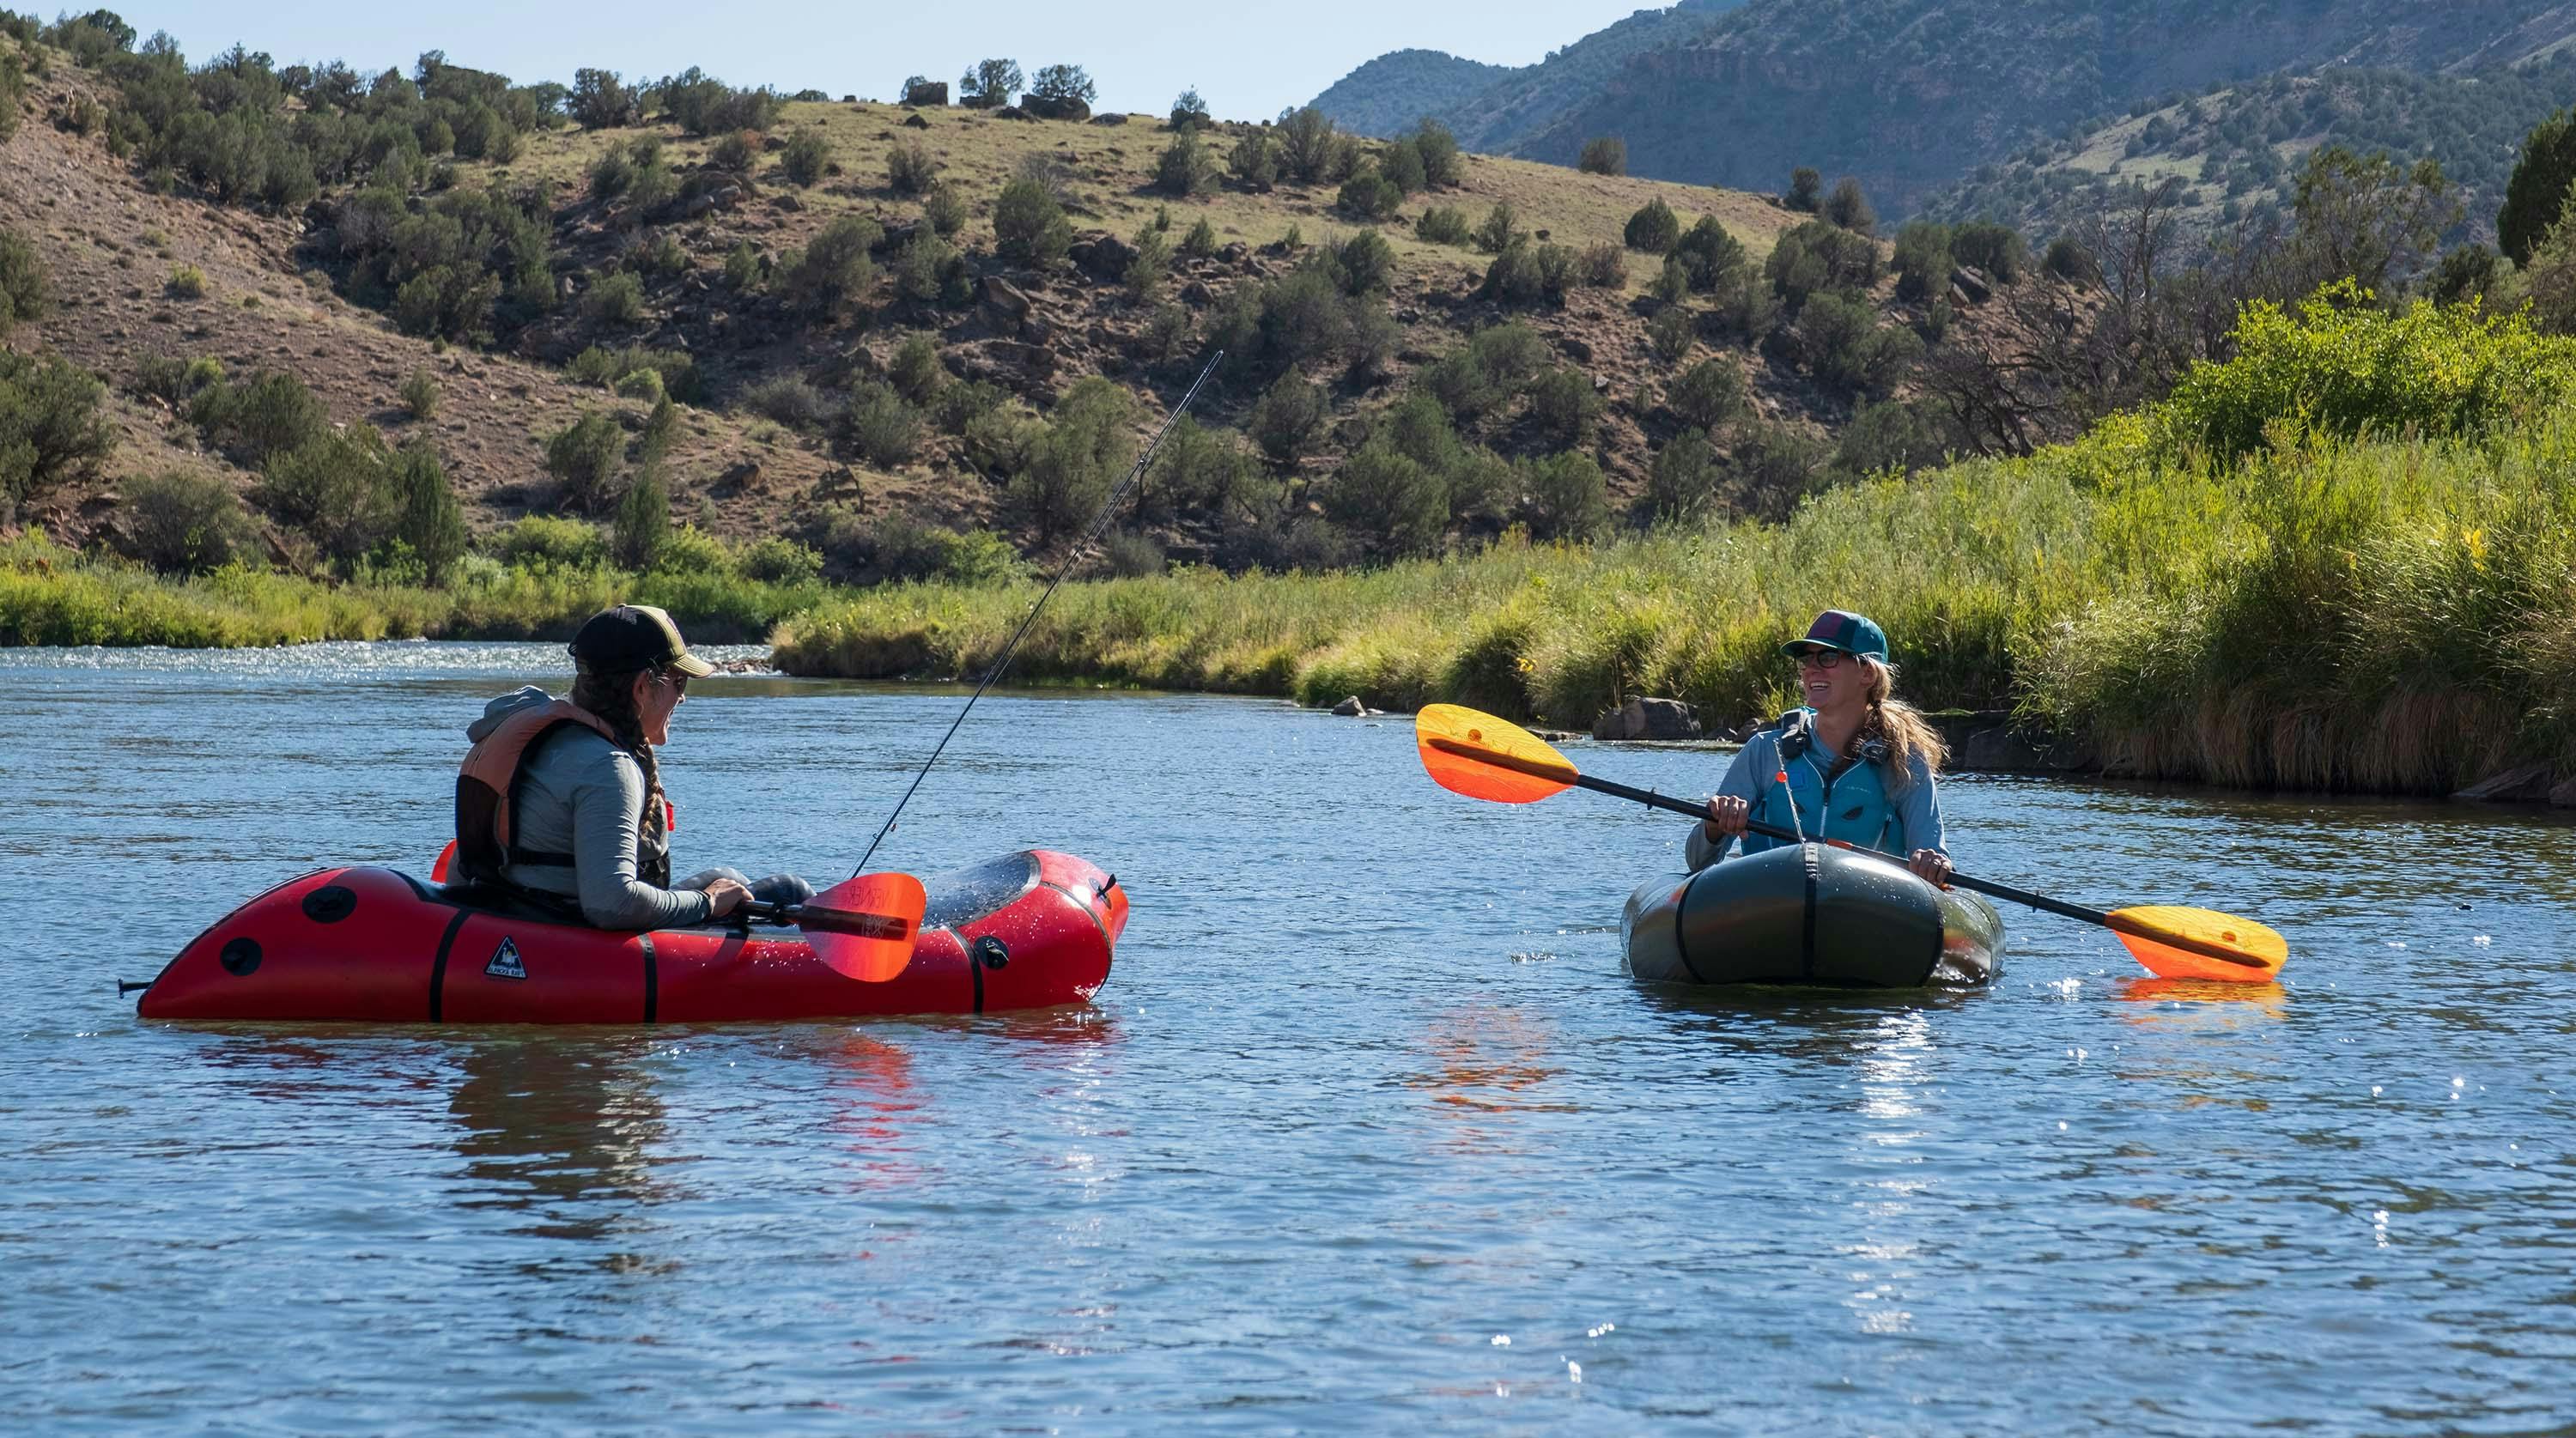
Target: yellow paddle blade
(2177, 943)
(865, 927)
(1483, 757)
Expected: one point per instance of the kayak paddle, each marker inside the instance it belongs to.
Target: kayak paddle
(1483, 757)
(862, 927)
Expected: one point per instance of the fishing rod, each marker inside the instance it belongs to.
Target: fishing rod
(1090, 533)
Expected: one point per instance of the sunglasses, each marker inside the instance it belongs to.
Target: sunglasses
(1818, 658)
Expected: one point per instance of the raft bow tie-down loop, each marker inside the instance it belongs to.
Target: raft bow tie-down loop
(1484, 757)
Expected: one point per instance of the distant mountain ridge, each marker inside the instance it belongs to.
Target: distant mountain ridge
(1914, 95)
(1388, 94)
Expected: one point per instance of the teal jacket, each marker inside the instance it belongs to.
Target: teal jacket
(1855, 807)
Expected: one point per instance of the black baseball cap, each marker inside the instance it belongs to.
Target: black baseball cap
(635, 636)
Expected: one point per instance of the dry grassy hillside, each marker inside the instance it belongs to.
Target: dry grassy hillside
(279, 288)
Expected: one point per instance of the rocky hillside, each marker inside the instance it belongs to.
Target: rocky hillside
(1389, 94)
(2237, 150)
(1739, 98)
(831, 321)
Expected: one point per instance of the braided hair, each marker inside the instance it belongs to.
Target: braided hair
(611, 696)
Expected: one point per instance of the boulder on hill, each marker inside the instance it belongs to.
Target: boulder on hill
(1056, 107)
(1102, 255)
(928, 92)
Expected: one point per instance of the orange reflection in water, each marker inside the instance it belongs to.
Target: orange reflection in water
(1486, 1061)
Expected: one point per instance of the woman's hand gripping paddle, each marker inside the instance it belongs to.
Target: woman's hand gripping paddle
(864, 927)
(1483, 757)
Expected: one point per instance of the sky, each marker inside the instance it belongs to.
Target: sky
(1250, 62)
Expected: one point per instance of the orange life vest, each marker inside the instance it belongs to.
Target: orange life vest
(487, 789)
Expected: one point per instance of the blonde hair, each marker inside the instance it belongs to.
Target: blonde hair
(1901, 726)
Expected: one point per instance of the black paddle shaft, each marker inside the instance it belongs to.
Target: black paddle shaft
(1654, 800)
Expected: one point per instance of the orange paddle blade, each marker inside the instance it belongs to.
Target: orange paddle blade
(1483, 757)
(446, 857)
(2176, 943)
(865, 927)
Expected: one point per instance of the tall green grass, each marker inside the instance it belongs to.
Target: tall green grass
(53, 595)
(2345, 561)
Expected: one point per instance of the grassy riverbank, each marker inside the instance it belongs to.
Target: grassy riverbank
(53, 595)
(2242, 585)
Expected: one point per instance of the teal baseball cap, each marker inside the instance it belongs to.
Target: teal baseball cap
(1841, 629)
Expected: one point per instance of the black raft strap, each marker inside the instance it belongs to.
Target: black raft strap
(1807, 936)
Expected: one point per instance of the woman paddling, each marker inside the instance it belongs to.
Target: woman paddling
(1860, 765)
(562, 799)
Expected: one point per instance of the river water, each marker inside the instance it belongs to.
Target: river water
(1367, 1133)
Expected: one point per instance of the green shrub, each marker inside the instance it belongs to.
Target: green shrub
(642, 384)
(807, 158)
(1683, 482)
(958, 405)
(2535, 196)
(427, 520)
(1846, 208)
(1602, 266)
(22, 281)
(174, 381)
(1806, 191)
(1285, 419)
(1368, 195)
(1568, 496)
(547, 542)
(643, 520)
(1200, 242)
(931, 270)
(1190, 112)
(2343, 367)
(1198, 469)
(1999, 250)
(337, 488)
(1149, 265)
(420, 394)
(1844, 344)
(743, 267)
(1922, 260)
(185, 522)
(704, 105)
(608, 369)
(834, 270)
(1604, 155)
(612, 174)
(583, 457)
(1401, 163)
(915, 370)
(1254, 161)
(1184, 168)
(945, 209)
(1367, 263)
(186, 282)
(906, 548)
(1086, 446)
(1707, 395)
(615, 298)
(1888, 436)
(1484, 374)
(1564, 407)
(909, 168)
(1654, 228)
(1772, 469)
(251, 420)
(1709, 255)
(884, 427)
(1442, 225)
(1441, 164)
(1529, 273)
(1672, 332)
(1392, 497)
(779, 560)
(1500, 228)
(1820, 256)
(787, 399)
(1168, 332)
(2068, 260)
(1307, 145)
(734, 153)
(1029, 227)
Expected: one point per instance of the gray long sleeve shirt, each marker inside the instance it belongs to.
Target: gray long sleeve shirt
(581, 795)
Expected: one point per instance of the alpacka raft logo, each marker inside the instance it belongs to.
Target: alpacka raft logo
(505, 962)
